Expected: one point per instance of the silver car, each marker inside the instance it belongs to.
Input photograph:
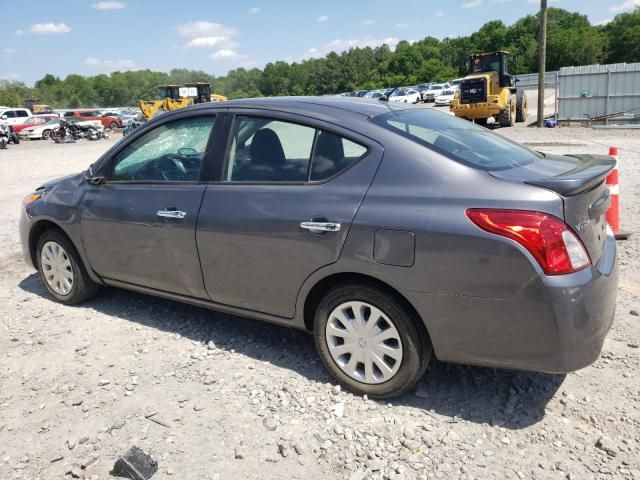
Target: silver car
(391, 233)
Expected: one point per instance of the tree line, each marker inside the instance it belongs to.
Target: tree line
(572, 40)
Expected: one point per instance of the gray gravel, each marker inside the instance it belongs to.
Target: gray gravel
(217, 397)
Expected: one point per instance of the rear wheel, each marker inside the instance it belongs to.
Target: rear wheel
(61, 269)
(369, 341)
(508, 114)
(46, 134)
(113, 125)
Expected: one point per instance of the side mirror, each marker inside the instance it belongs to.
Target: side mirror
(3, 117)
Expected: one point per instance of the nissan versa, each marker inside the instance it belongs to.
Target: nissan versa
(389, 231)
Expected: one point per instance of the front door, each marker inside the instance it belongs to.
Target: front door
(139, 226)
(283, 210)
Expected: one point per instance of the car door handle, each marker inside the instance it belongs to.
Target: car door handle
(176, 214)
(320, 227)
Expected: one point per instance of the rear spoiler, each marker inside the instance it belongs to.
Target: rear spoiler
(592, 170)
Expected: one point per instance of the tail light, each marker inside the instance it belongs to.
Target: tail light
(551, 242)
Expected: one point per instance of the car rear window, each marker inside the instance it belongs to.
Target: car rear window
(457, 139)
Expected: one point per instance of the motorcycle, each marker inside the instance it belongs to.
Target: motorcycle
(69, 132)
(5, 134)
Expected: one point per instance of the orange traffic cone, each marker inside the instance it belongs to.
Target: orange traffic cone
(613, 214)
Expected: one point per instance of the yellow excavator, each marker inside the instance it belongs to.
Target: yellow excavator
(173, 97)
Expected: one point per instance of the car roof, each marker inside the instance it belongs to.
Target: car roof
(355, 106)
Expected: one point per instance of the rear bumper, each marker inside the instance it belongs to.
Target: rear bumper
(475, 110)
(554, 324)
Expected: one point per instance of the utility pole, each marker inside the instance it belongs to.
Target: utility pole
(542, 60)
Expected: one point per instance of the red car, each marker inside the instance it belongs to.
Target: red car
(32, 122)
(107, 122)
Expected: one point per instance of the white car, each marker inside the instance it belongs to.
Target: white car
(406, 95)
(43, 131)
(435, 90)
(14, 116)
(445, 97)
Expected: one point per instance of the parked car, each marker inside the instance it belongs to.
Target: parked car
(374, 94)
(106, 121)
(406, 95)
(435, 90)
(44, 130)
(14, 116)
(389, 231)
(33, 121)
(445, 97)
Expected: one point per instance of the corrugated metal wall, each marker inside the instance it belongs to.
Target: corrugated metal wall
(598, 90)
(530, 80)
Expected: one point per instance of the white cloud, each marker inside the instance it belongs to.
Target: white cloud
(603, 22)
(439, 13)
(9, 76)
(202, 28)
(224, 54)
(405, 25)
(9, 51)
(47, 28)
(473, 4)
(340, 45)
(254, 10)
(368, 22)
(626, 6)
(493, 2)
(322, 18)
(213, 42)
(19, 32)
(203, 34)
(110, 65)
(109, 5)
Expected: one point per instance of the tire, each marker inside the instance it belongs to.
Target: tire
(15, 138)
(480, 121)
(81, 288)
(410, 342)
(113, 125)
(507, 117)
(522, 106)
(46, 134)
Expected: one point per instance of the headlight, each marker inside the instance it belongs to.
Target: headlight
(32, 197)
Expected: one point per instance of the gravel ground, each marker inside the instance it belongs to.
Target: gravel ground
(212, 396)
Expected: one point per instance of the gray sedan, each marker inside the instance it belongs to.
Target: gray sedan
(391, 233)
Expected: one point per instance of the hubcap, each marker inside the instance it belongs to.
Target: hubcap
(364, 342)
(56, 268)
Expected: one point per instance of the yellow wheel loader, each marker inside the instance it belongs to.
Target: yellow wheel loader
(490, 92)
(173, 97)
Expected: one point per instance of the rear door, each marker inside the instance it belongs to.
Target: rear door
(255, 241)
(139, 226)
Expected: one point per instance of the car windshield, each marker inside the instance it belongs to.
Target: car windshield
(448, 92)
(399, 92)
(457, 139)
(52, 121)
(436, 87)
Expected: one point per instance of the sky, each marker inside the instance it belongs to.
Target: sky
(89, 37)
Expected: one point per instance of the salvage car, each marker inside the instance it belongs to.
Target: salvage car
(390, 232)
(43, 131)
(405, 95)
(445, 97)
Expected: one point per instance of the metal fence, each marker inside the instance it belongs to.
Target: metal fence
(600, 94)
(530, 80)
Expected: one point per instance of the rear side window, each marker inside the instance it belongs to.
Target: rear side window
(268, 150)
(458, 139)
(22, 113)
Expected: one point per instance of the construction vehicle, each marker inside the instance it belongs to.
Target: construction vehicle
(37, 108)
(173, 97)
(489, 91)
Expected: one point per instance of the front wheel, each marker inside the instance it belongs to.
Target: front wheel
(47, 134)
(113, 125)
(61, 269)
(369, 341)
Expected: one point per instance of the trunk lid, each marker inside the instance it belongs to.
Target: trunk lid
(580, 182)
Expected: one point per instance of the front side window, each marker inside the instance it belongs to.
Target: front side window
(172, 152)
(22, 113)
(268, 150)
(458, 139)
(9, 114)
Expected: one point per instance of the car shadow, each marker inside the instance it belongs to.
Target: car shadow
(448, 393)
